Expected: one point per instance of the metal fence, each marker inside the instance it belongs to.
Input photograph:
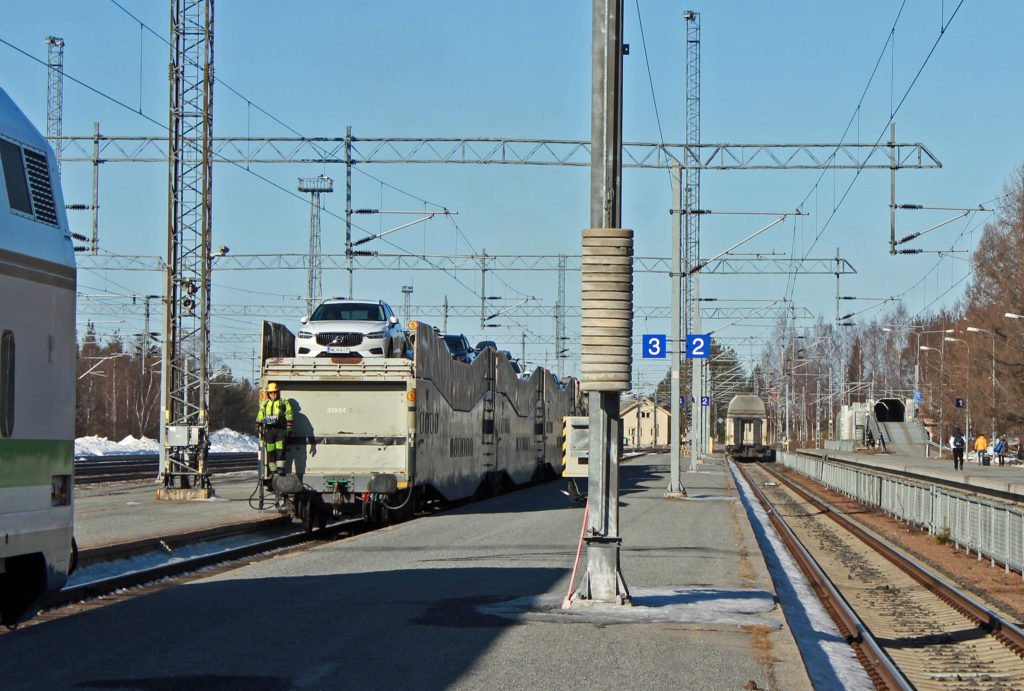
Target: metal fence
(991, 531)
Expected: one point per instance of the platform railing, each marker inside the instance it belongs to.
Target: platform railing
(991, 531)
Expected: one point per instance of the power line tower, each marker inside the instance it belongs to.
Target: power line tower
(314, 277)
(55, 94)
(184, 436)
(691, 242)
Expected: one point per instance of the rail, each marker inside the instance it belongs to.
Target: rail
(987, 620)
(877, 663)
(121, 467)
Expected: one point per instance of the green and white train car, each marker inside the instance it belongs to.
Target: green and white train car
(37, 370)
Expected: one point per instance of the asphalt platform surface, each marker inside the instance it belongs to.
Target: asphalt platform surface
(438, 602)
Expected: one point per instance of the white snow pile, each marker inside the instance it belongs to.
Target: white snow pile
(101, 446)
(221, 441)
(224, 440)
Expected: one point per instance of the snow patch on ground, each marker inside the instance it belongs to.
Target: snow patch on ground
(221, 441)
(830, 661)
(225, 439)
(665, 605)
(101, 446)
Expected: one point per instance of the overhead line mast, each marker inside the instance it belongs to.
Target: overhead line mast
(315, 272)
(184, 433)
(55, 94)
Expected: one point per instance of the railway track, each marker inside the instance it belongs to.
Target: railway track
(121, 468)
(912, 629)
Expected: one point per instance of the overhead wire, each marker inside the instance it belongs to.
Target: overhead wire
(650, 78)
(893, 111)
(316, 147)
(249, 171)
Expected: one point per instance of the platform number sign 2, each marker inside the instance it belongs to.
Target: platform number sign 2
(655, 345)
(698, 346)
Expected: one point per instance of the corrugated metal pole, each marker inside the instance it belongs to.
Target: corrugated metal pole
(696, 384)
(892, 188)
(348, 206)
(94, 242)
(675, 487)
(606, 280)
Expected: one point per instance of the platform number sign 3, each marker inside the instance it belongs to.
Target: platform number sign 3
(655, 345)
(698, 346)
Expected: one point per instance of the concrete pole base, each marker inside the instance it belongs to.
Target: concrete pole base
(603, 581)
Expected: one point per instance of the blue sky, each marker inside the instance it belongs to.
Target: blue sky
(792, 72)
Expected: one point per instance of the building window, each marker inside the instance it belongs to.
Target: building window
(7, 383)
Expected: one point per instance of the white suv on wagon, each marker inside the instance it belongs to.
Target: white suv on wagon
(340, 326)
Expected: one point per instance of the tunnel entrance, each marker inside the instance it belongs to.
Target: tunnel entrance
(890, 410)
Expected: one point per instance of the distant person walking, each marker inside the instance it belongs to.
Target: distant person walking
(958, 444)
(1000, 449)
(981, 446)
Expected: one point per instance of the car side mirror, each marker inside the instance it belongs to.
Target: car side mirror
(304, 319)
(393, 319)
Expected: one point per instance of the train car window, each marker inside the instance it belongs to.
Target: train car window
(14, 176)
(7, 383)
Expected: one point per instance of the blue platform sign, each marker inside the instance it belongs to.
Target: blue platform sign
(655, 345)
(958, 402)
(705, 401)
(918, 398)
(698, 346)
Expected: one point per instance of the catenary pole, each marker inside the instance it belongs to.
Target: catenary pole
(607, 321)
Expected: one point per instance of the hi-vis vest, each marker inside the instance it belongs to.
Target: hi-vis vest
(274, 413)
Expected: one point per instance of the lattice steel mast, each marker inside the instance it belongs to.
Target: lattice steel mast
(314, 277)
(186, 353)
(55, 94)
(691, 229)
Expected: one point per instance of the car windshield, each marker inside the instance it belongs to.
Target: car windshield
(349, 312)
(456, 344)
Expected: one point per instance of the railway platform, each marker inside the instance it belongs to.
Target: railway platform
(1005, 482)
(464, 598)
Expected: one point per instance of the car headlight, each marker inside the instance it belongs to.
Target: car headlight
(376, 334)
(305, 334)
